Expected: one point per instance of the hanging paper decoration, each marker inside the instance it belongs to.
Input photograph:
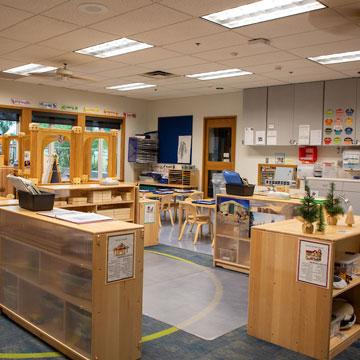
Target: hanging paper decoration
(48, 105)
(69, 107)
(20, 102)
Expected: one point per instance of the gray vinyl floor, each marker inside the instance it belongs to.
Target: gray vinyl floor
(169, 236)
(203, 301)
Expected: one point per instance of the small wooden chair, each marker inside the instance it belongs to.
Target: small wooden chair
(196, 195)
(165, 206)
(192, 217)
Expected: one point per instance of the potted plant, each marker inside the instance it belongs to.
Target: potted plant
(320, 225)
(332, 206)
(308, 211)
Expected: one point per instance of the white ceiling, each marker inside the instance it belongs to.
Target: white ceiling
(48, 31)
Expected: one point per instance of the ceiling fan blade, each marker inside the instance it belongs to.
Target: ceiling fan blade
(44, 74)
(80, 78)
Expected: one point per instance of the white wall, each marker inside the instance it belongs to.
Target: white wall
(37, 93)
(247, 157)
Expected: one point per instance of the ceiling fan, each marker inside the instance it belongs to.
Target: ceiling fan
(61, 73)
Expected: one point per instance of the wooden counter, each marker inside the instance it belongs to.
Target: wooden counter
(77, 287)
(235, 217)
(293, 311)
(175, 186)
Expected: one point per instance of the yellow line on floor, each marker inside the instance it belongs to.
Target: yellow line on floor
(209, 308)
(30, 355)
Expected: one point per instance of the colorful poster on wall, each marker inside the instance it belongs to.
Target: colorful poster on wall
(313, 263)
(339, 126)
(120, 257)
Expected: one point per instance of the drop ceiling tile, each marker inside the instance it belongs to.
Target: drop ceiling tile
(229, 52)
(123, 72)
(174, 62)
(98, 66)
(78, 39)
(350, 11)
(10, 16)
(141, 20)
(315, 20)
(202, 7)
(328, 48)
(72, 58)
(33, 6)
(260, 59)
(182, 31)
(8, 64)
(33, 53)
(144, 56)
(199, 68)
(286, 66)
(206, 43)
(301, 76)
(7, 45)
(69, 11)
(36, 29)
(337, 33)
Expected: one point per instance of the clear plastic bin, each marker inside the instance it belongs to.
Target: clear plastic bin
(77, 282)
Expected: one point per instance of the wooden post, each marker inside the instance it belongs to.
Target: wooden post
(35, 152)
(6, 148)
(76, 152)
(112, 153)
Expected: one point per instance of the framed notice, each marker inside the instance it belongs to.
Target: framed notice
(150, 210)
(313, 263)
(120, 257)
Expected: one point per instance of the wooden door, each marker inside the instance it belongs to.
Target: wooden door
(219, 149)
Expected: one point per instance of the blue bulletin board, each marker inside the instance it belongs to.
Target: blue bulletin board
(169, 130)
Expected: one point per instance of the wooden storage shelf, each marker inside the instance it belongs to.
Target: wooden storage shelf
(345, 339)
(353, 283)
(28, 277)
(234, 218)
(308, 303)
(65, 191)
(80, 307)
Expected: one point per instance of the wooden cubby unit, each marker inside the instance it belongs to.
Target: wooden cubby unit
(119, 203)
(54, 282)
(303, 310)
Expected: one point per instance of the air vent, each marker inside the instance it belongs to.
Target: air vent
(159, 74)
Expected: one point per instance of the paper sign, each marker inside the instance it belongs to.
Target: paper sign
(149, 216)
(260, 137)
(304, 134)
(315, 137)
(249, 136)
(120, 259)
(313, 263)
(184, 149)
(271, 137)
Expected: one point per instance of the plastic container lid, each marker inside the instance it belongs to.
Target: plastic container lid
(346, 259)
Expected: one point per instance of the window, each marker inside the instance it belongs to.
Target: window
(50, 120)
(99, 159)
(9, 121)
(62, 150)
(100, 147)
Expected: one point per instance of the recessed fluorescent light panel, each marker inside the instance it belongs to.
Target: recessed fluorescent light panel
(337, 58)
(219, 74)
(114, 48)
(30, 69)
(262, 11)
(132, 86)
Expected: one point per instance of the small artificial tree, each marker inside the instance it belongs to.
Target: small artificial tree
(320, 225)
(332, 206)
(308, 211)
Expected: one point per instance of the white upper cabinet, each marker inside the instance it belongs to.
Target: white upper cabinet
(280, 115)
(339, 112)
(308, 112)
(254, 120)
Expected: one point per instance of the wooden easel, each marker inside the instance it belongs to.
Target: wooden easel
(52, 174)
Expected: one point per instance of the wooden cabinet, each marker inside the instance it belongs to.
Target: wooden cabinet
(308, 110)
(280, 114)
(149, 213)
(77, 287)
(293, 312)
(235, 215)
(339, 112)
(255, 112)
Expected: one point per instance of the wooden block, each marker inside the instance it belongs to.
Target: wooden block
(77, 200)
